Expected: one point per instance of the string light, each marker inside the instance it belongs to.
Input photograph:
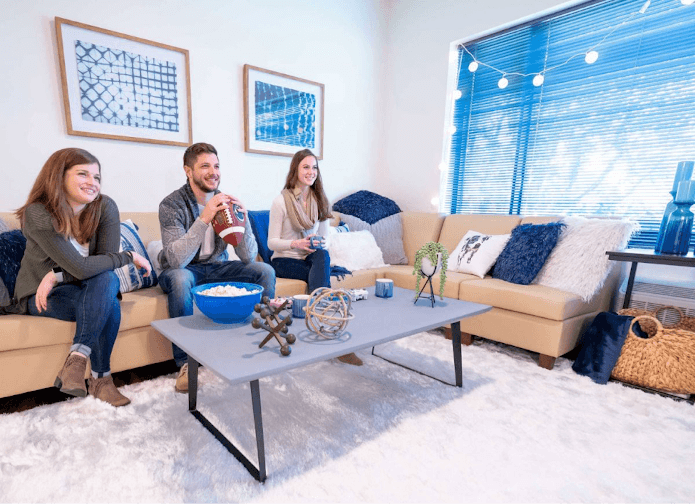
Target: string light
(590, 56)
(457, 94)
(452, 129)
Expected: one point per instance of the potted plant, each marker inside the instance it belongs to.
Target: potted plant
(431, 253)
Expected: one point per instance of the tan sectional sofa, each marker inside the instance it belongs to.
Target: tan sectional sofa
(533, 317)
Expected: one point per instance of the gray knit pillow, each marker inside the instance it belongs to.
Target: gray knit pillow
(388, 233)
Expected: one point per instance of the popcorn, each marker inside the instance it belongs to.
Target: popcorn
(227, 291)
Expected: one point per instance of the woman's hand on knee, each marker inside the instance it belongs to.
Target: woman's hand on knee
(142, 263)
(45, 287)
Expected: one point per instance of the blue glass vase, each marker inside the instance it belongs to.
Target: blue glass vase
(679, 223)
(683, 172)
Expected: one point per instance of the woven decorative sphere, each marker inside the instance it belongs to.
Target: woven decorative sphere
(328, 312)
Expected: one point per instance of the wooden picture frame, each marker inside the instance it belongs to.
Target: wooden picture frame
(282, 114)
(122, 87)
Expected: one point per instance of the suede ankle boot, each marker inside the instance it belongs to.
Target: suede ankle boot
(105, 390)
(350, 358)
(70, 380)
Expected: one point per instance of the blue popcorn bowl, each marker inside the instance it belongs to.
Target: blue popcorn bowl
(227, 309)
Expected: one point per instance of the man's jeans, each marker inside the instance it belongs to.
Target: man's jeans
(178, 282)
(93, 305)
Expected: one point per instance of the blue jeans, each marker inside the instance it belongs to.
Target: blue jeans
(315, 269)
(178, 282)
(94, 306)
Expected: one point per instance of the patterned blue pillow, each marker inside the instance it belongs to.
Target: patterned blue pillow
(526, 252)
(367, 206)
(12, 245)
(130, 276)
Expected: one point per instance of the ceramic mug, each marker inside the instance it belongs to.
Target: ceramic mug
(384, 288)
(298, 304)
(317, 242)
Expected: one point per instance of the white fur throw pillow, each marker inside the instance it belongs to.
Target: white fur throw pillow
(476, 253)
(355, 250)
(578, 263)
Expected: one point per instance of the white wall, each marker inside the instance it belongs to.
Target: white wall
(333, 42)
(419, 38)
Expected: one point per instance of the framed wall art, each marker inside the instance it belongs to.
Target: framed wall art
(122, 87)
(282, 114)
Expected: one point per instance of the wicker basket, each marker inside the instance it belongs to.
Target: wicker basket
(684, 322)
(665, 361)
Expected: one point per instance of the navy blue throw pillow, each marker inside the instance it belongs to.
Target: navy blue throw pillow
(260, 221)
(526, 252)
(12, 245)
(367, 206)
(601, 344)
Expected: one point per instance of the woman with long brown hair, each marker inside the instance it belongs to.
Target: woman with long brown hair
(67, 271)
(298, 228)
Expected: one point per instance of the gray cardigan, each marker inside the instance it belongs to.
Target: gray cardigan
(183, 233)
(46, 249)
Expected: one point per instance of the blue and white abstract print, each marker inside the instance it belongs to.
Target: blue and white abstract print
(285, 116)
(126, 89)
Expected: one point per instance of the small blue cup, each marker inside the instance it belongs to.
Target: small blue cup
(299, 302)
(384, 288)
(316, 242)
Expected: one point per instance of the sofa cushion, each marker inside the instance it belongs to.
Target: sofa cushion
(12, 245)
(526, 252)
(367, 206)
(355, 250)
(455, 226)
(476, 253)
(260, 222)
(4, 227)
(365, 210)
(130, 276)
(578, 263)
(538, 300)
(418, 229)
(388, 233)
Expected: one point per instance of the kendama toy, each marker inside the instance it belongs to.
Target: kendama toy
(269, 320)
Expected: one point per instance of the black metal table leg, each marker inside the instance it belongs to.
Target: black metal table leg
(458, 369)
(258, 473)
(630, 284)
(456, 343)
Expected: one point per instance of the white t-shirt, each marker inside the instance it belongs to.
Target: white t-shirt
(208, 245)
(82, 249)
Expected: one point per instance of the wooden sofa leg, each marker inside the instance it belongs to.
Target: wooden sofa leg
(466, 339)
(546, 361)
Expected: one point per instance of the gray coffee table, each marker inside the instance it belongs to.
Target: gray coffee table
(231, 350)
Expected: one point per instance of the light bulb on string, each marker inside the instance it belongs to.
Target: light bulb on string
(435, 201)
(457, 94)
(591, 57)
(442, 166)
(503, 82)
(473, 66)
(451, 129)
(538, 80)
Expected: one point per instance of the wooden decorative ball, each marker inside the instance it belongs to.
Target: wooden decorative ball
(328, 312)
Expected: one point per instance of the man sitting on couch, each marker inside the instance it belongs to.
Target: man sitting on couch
(192, 253)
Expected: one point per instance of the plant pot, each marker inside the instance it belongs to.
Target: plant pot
(426, 265)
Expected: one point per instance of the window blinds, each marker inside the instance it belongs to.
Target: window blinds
(599, 139)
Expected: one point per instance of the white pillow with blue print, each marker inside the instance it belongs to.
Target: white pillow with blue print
(130, 276)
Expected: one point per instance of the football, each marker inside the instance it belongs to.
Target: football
(230, 224)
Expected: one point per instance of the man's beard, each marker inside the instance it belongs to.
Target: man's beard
(200, 185)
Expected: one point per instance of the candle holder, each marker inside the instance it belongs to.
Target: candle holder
(683, 173)
(679, 223)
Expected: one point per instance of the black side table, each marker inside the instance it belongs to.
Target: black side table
(646, 256)
(636, 256)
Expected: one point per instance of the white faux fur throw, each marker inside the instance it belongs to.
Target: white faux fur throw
(355, 250)
(578, 263)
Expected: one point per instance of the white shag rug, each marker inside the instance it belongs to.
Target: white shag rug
(377, 433)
